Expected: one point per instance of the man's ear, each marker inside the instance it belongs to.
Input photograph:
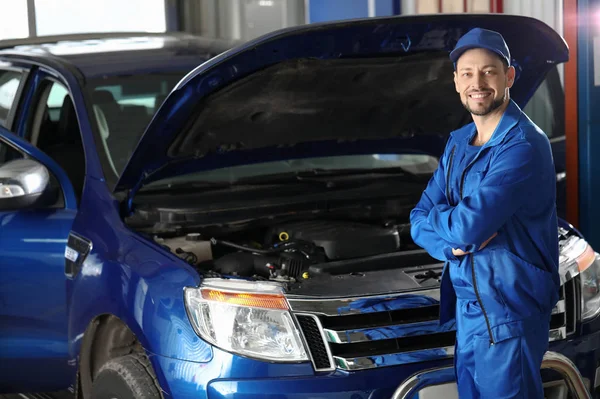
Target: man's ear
(456, 82)
(511, 73)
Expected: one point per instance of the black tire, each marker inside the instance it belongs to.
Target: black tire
(127, 377)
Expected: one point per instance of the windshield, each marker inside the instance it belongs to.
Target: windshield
(122, 107)
(418, 164)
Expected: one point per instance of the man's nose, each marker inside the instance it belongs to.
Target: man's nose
(477, 81)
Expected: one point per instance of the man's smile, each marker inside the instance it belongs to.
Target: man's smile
(479, 95)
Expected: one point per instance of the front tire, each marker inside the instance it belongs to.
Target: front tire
(127, 377)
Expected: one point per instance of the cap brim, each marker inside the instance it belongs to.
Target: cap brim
(457, 52)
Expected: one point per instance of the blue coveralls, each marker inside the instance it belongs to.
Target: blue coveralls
(500, 297)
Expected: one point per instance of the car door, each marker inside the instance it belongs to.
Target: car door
(33, 303)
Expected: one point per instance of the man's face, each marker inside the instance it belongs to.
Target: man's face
(482, 81)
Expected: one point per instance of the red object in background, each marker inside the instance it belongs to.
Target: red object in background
(571, 121)
(496, 6)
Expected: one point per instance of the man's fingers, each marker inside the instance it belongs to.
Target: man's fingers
(458, 252)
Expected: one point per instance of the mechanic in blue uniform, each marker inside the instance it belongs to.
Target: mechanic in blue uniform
(489, 213)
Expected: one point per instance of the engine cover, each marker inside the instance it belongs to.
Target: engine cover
(340, 239)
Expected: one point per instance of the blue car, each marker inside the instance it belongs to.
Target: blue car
(177, 223)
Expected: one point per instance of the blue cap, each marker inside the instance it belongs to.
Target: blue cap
(481, 38)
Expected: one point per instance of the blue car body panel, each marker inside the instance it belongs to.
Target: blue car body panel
(127, 276)
(33, 311)
(33, 315)
(186, 379)
(45, 312)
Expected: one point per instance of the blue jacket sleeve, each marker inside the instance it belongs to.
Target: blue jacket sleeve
(501, 193)
(421, 231)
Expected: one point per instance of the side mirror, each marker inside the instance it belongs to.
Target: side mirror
(23, 183)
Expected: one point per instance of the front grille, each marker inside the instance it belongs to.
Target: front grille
(565, 313)
(316, 345)
(362, 333)
(572, 305)
(393, 345)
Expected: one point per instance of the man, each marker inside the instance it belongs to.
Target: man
(489, 213)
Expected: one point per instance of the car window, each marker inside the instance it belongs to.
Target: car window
(122, 107)
(9, 86)
(53, 127)
(42, 130)
(546, 107)
(56, 97)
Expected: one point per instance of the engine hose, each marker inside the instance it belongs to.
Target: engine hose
(300, 246)
(214, 241)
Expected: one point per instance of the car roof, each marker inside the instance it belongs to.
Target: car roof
(106, 54)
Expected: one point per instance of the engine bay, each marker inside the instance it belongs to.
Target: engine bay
(295, 251)
(316, 257)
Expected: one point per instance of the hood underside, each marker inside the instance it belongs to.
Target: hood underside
(310, 100)
(313, 89)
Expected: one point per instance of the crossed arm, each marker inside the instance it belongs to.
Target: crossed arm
(422, 231)
(447, 232)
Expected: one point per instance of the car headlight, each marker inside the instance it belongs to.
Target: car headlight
(247, 318)
(578, 258)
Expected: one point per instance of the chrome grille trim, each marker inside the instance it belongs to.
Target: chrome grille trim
(343, 306)
(560, 307)
(380, 333)
(385, 330)
(371, 362)
(558, 334)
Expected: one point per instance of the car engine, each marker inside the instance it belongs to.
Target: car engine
(286, 251)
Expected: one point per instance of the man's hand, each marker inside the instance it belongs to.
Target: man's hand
(460, 252)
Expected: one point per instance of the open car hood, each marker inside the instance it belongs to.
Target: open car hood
(322, 89)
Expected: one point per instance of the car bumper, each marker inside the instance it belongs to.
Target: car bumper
(227, 376)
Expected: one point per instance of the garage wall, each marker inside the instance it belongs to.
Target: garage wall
(549, 11)
(248, 19)
(239, 19)
(410, 7)
(30, 18)
(331, 10)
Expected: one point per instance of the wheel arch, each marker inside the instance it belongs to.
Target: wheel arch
(106, 337)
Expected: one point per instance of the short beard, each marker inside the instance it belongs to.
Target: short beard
(497, 103)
